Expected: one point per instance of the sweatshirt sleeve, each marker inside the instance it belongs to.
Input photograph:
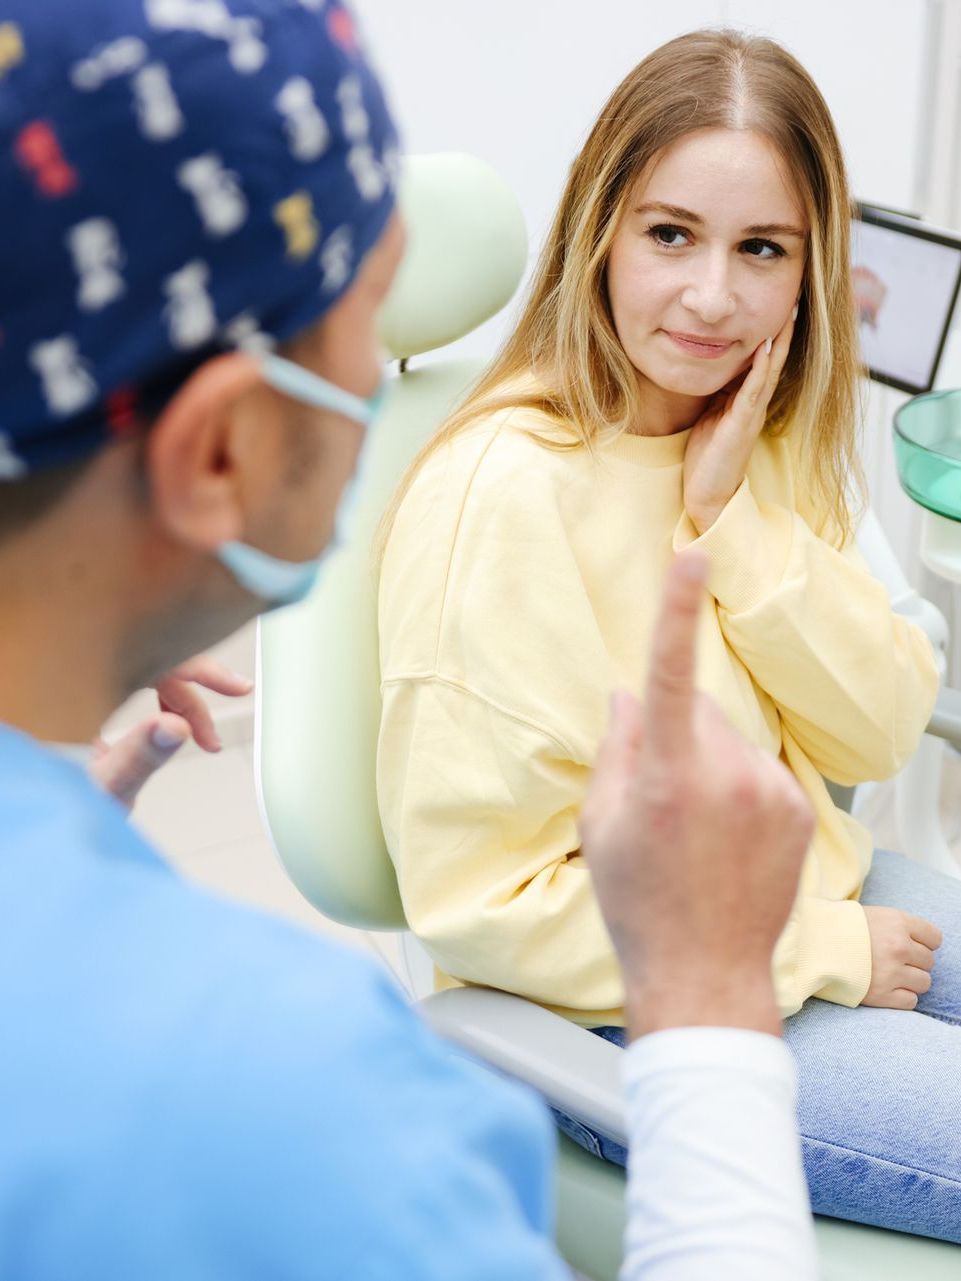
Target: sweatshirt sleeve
(479, 808)
(824, 951)
(853, 682)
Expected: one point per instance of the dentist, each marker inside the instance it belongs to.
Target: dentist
(198, 231)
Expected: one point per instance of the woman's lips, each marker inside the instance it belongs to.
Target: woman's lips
(694, 345)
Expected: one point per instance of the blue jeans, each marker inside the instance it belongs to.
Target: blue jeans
(879, 1099)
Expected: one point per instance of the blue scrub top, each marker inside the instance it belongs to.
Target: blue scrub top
(190, 1089)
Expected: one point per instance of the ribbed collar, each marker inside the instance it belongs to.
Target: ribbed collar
(648, 451)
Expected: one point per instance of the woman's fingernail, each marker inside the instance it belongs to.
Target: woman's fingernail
(794, 312)
(768, 342)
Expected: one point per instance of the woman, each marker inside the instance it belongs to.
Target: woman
(684, 373)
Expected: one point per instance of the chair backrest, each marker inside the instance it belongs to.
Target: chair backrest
(318, 680)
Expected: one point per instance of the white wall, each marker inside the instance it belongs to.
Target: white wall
(867, 57)
(519, 82)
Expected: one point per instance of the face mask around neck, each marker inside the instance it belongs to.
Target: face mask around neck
(284, 582)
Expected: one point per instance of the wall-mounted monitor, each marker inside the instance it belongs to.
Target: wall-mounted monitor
(906, 278)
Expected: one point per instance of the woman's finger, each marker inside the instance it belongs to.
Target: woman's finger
(902, 999)
(917, 980)
(920, 956)
(925, 932)
(765, 374)
(751, 398)
(780, 349)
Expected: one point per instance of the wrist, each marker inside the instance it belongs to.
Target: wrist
(742, 1001)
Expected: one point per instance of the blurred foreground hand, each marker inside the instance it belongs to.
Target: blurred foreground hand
(123, 767)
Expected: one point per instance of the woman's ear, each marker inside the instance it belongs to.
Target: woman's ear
(194, 465)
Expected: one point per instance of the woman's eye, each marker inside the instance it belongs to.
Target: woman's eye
(670, 237)
(762, 249)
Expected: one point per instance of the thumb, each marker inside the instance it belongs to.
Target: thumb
(126, 765)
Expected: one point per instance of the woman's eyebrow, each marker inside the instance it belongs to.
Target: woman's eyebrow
(688, 215)
(673, 211)
(775, 229)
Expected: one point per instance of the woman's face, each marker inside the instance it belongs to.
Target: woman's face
(707, 262)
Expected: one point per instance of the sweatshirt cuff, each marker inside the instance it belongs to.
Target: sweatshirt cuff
(833, 955)
(747, 549)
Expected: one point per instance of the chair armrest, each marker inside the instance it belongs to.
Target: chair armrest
(928, 617)
(945, 720)
(576, 1072)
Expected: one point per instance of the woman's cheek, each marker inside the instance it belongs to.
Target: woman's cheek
(745, 365)
(780, 303)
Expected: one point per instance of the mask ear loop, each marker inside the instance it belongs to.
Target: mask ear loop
(275, 581)
(305, 386)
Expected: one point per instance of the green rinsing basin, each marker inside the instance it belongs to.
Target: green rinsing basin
(927, 451)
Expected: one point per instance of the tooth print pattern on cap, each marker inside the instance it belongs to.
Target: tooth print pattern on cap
(176, 173)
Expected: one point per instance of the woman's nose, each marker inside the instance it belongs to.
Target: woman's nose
(708, 293)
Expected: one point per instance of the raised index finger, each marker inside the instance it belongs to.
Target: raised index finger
(669, 702)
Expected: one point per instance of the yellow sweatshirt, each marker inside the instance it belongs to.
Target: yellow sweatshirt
(519, 587)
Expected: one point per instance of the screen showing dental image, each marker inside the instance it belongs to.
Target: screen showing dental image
(905, 287)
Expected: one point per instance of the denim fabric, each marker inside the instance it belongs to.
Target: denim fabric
(879, 1091)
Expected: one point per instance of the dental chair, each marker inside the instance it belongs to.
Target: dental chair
(317, 721)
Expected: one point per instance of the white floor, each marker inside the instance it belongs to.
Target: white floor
(201, 812)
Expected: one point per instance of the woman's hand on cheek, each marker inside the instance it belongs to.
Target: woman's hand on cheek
(722, 440)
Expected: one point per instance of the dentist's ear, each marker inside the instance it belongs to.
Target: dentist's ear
(195, 452)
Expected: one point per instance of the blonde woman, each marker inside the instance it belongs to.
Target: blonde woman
(684, 372)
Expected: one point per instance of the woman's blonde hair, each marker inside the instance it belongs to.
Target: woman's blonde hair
(566, 336)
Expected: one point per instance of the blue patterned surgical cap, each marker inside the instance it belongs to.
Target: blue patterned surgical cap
(176, 177)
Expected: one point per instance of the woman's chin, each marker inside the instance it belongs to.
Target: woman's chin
(693, 383)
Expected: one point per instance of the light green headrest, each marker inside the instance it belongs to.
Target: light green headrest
(466, 252)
